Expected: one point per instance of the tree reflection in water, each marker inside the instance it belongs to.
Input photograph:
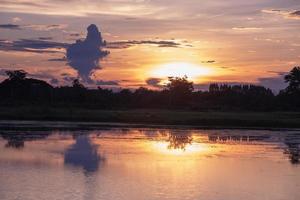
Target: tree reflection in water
(292, 142)
(179, 140)
(83, 154)
(17, 140)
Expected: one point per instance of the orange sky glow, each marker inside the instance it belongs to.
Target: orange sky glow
(231, 41)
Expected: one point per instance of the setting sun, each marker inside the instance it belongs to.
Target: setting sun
(180, 69)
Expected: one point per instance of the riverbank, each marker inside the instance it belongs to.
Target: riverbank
(157, 117)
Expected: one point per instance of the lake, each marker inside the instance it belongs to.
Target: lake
(149, 164)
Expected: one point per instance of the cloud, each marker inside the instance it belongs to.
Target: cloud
(45, 27)
(279, 73)
(75, 34)
(74, 7)
(36, 27)
(3, 72)
(10, 26)
(129, 43)
(275, 83)
(16, 19)
(57, 59)
(154, 82)
(45, 38)
(54, 81)
(31, 45)
(295, 14)
(68, 79)
(286, 14)
(84, 56)
(248, 29)
(208, 61)
(106, 83)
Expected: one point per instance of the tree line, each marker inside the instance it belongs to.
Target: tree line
(179, 93)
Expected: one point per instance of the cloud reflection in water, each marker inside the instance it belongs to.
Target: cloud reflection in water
(83, 154)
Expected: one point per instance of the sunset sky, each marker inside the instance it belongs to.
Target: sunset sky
(230, 41)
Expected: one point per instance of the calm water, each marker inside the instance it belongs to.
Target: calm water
(150, 164)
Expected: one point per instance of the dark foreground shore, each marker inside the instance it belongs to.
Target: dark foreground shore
(157, 117)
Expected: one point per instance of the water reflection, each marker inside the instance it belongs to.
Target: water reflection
(83, 154)
(292, 142)
(17, 139)
(154, 164)
(237, 138)
(179, 140)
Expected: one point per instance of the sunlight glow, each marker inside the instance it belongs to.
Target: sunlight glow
(180, 69)
(163, 147)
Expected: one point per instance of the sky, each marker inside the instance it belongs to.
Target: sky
(139, 43)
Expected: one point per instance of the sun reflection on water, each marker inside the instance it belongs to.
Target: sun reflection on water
(193, 148)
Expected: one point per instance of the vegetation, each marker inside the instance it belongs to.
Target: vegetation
(178, 94)
(177, 103)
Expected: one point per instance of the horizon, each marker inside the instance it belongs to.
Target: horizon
(210, 42)
(150, 99)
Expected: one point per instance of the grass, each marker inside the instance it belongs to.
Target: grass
(156, 117)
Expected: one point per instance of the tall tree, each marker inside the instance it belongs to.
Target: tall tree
(180, 90)
(293, 78)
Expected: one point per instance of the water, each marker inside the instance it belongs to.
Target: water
(150, 164)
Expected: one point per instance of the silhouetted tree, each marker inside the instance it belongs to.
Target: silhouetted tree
(288, 99)
(213, 87)
(293, 78)
(178, 94)
(180, 90)
(77, 84)
(19, 89)
(16, 74)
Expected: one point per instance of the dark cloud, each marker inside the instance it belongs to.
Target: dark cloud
(74, 34)
(285, 14)
(10, 26)
(37, 27)
(154, 82)
(209, 61)
(54, 81)
(129, 43)
(275, 83)
(65, 74)
(57, 59)
(295, 14)
(69, 78)
(45, 38)
(279, 73)
(38, 44)
(107, 83)
(84, 56)
(29, 45)
(3, 72)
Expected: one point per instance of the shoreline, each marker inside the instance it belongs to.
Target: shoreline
(55, 117)
(35, 125)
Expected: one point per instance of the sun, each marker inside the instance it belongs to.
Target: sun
(180, 69)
